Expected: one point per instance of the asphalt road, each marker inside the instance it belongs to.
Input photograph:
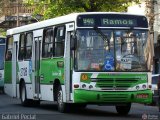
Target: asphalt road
(11, 109)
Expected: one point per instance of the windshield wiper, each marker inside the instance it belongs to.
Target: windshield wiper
(103, 36)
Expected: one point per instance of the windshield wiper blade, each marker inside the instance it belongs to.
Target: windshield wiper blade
(103, 36)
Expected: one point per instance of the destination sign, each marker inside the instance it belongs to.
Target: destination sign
(111, 20)
(88, 21)
(118, 22)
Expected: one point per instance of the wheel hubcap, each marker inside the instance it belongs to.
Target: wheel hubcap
(60, 101)
(23, 94)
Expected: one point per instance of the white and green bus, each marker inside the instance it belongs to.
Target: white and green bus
(2, 52)
(81, 58)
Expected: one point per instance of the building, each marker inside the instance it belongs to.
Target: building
(16, 13)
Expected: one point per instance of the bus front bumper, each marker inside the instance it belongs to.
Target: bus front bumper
(88, 96)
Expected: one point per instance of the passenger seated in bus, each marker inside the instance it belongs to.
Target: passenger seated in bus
(22, 53)
(28, 54)
(8, 55)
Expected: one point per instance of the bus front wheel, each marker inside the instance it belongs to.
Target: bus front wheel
(23, 96)
(124, 109)
(62, 107)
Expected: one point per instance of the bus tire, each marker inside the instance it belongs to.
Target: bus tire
(23, 95)
(80, 105)
(123, 110)
(2, 90)
(62, 107)
(35, 103)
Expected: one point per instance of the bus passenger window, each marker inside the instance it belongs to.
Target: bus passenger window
(9, 55)
(22, 52)
(48, 43)
(59, 41)
(9, 49)
(29, 45)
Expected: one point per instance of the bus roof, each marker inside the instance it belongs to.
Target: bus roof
(55, 21)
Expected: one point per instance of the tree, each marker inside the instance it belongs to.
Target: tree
(2, 32)
(61, 7)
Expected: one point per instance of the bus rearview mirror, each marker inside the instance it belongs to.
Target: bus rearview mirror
(73, 43)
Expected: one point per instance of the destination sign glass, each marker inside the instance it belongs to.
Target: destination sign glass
(118, 22)
(111, 20)
(88, 21)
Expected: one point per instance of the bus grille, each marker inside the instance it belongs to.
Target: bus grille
(115, 83)
(114, 97)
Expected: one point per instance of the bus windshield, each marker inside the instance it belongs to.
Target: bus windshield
(111, 50)
(2, 50)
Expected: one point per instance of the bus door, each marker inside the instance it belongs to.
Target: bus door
(36, 67)
(67, 65)
(14, 64)
(2, 52)
(14, 68)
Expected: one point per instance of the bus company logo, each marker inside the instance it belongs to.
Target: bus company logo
(114, 87)
(57, 73)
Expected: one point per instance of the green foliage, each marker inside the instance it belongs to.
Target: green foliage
(2, 32)
(53, 8)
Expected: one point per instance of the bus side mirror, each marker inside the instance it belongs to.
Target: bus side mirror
(73, 43)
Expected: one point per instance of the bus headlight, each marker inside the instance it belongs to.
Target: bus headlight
(83, 86)
(137, 87)
(144, 86)
(150, 86)
(90, 87)
(76, 85)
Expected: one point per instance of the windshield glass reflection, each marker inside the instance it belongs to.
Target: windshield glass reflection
(108, 50)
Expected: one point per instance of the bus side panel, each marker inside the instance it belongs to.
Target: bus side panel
(8, 78)
(1, 79)
(8, 72)
(49, 71)
(2, 51)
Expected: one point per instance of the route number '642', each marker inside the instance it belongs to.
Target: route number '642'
(23, 71)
